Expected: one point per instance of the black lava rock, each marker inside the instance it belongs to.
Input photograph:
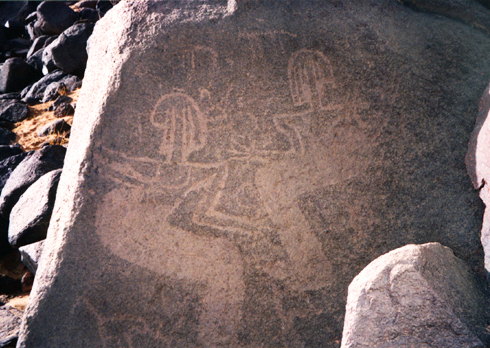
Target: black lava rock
(16, 74)
(69, 50)
(34, 166)
(29, 219)
(13, 110)
(53, 17)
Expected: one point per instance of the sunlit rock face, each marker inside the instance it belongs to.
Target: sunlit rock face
(415, 296)
(232, 167)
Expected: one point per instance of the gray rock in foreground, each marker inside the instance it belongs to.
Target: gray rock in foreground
(31, 255)
(29, 219)
(416, 296)
(238, 167)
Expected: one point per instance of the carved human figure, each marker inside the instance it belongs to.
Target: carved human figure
(137, 224)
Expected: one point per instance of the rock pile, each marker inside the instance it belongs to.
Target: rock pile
(42, 57)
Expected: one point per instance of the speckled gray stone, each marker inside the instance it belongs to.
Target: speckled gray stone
(415, 296)
(233, 166)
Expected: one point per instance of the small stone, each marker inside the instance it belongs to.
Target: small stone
(27, 281)
(31, 254)
(63, 110)
(57, 126)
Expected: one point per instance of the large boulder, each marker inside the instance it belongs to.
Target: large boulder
(69, 51)
(34, 166)
(17, 74)
(416, 296)
(53, 17)
(237, 165)
(29, 219)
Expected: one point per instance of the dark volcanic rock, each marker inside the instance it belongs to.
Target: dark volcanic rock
(29, 219)
(90, 15)
(63, 110)
(103, 6)
(86, 4)
(38, 44)
(17, 74)
(57, 126)
(68, 51)
(10, 319)
(37, 89)
(8, 165)
(53, 17)
(10, 96)
(26, 173)
(36, 60)
(7, 151)
(7, 137)
(13, 110)
(70, 82)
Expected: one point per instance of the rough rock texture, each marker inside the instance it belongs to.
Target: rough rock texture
(7, 151)
(31, 254)
(68, 52)
(478, 165)
(53, 17)
(10, 319)
(27, 172)
(8, 165)
(29, 219)
(17, 74)
(7, 137)
(13, 110)
(236, 167)
(37, 89)
(64, 109)
(416, 296)
(57, 126)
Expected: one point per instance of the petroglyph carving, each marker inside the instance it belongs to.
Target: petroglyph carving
(309, 74)
(310, 80)
(201, 57)
(183, 125)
